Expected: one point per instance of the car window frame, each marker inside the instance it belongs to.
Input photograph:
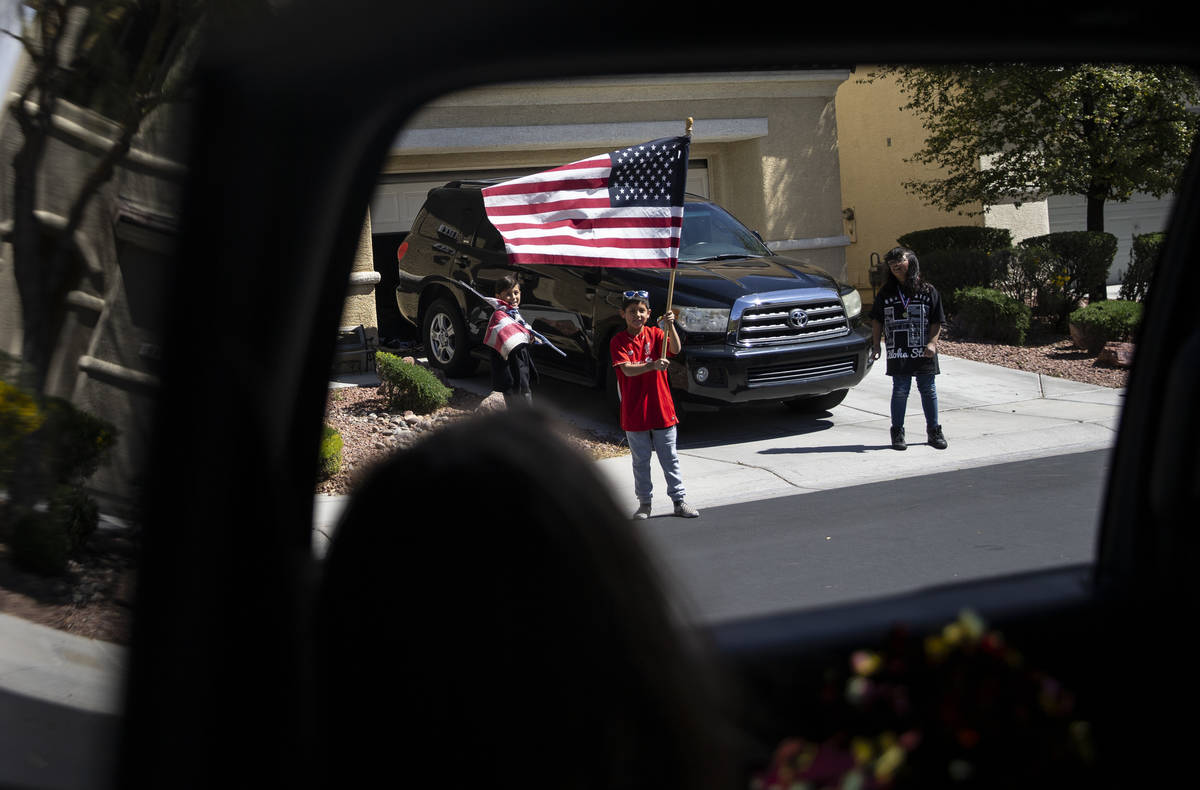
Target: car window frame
(193, 652)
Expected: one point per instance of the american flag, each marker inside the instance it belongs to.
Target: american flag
(623, 208)
(506, 330)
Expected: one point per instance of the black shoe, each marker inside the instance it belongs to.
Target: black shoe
(936, 439)
(898, 439)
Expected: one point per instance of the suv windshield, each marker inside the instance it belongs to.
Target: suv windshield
(710, 233)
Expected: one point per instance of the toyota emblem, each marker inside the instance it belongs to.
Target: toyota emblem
(798, 318)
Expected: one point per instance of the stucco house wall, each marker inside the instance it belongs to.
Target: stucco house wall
(875, 137)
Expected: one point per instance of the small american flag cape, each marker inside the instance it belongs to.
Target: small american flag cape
(506, 330)
(623, 208)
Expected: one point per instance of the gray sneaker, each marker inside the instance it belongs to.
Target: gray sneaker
(684, 510)
(643, 511)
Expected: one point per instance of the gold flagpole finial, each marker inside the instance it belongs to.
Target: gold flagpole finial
(689, 126)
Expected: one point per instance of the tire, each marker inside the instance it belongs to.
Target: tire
(817, 403)
(444, 334)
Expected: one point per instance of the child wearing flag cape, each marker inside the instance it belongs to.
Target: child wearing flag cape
(509, 338)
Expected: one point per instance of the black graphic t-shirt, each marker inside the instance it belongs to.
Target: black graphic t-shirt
(906, 320)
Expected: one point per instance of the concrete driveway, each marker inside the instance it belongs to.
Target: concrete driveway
(990, 415)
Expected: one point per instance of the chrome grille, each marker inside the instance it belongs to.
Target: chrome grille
(768, 376)
(791, 322)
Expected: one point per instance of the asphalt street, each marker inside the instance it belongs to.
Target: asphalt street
(849, 544)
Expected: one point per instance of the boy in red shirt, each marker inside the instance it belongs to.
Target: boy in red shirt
(647, 410)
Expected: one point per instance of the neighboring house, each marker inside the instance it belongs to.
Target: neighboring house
(109, 351)
(764, 145)
(875, 137)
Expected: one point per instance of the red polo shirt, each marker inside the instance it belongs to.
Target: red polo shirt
(646, 399)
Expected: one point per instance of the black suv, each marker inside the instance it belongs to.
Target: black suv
(755, 325)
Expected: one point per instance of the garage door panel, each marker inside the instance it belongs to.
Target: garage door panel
(1141, 214)
(395, 205)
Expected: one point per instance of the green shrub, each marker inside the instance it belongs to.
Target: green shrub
(1104, 322)
(1016, 273)
(331, 452)
(408, 386)
(953, 270)
(39, 542)
(956, 256)
(19, 416)
(67, 445)
(81, 441)
(956, 237)
(1142, 260)
(77, 512)
(42, 539)
(1064, 268)
(986, 313)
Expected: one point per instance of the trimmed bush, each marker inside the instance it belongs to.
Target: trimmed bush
(1142, 260)
(68, 445)
(1105, 322)
(956, 237)
(956, 256)
(1066, 267)
(19, 417)
(953, 270)
(986, 313)
(81, 441)
(40, 543)
(331, 452)
(42, 540)
(408, 386)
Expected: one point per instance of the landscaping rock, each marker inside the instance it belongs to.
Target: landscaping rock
(1119, 355)
(493, 402)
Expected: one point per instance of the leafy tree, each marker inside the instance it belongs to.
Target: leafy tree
(1101, 131)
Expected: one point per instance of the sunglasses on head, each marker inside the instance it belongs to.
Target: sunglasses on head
(636, 294)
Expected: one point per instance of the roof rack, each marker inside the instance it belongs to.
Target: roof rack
(458, 183)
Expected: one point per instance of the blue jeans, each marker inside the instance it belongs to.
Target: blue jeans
(900, 389)
(661, 441)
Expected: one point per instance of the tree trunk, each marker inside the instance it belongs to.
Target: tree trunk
(1095, 222)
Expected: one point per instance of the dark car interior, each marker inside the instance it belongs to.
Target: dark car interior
(229, 682)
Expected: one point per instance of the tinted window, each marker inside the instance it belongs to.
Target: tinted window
(710, 232)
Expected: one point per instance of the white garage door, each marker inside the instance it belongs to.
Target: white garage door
(395, 204)
(1142, 214)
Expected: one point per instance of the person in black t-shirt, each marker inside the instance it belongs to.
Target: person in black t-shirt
(908, 315)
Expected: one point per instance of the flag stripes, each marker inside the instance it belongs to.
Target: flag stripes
(619, 209)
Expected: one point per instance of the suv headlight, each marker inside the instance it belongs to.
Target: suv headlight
(702, 319)
(852, 302)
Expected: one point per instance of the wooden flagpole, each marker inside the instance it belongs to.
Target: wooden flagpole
(671, 281)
